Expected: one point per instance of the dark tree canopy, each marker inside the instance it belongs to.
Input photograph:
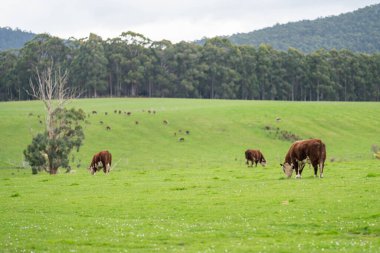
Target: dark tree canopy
(132, 65)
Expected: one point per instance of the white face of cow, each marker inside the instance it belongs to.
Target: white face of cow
(288, 169)
(92, 170)
(263, 163)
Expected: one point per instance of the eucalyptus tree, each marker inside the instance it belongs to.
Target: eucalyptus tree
(295, 73)
(89, 67)
(222, 59)
(8, 75)
(249, 88)
(135, 50)
(39, 53)
(263, 69)
(163, 53)
(320, 85)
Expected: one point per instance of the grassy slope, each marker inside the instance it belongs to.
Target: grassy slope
(197, 195)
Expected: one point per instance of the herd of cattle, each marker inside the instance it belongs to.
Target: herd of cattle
(312, 151)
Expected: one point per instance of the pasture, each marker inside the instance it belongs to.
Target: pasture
(197, 195)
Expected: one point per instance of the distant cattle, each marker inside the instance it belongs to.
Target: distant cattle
(128, 113)
(103, 159)
(254, 156)
(106, 113)
(181, 139)
(300, 152)
(187, 132)
(165, 122)
(94, 112)
(108, 128)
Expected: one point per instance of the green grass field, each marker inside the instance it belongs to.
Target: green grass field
(163, 195)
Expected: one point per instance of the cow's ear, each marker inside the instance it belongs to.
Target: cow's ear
(281, 164)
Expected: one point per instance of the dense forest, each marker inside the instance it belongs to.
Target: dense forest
(357, 31)
(132, 65)
(13, 38)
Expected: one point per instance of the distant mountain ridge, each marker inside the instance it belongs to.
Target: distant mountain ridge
(13, 38)
(357, 31)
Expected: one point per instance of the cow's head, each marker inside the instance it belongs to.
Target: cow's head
(288, 169)
(92, 169)
(263, 162)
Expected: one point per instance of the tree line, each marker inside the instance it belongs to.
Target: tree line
(133, 65)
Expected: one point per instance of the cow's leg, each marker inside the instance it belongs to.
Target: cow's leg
(301, 165)
(315, 170)
(104, 167)
(297, 171)
(321, 166)
(108, 168)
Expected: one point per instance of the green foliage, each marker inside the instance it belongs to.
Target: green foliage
(51, 152)
(358, 31)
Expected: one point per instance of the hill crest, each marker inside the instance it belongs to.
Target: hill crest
(356, 31)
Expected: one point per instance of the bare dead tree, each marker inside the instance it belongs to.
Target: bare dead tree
(52, 89)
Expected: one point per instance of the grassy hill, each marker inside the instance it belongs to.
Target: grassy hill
(198, 195)
(358, 31)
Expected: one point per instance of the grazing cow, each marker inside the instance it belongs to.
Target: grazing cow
(181, 139)
(165, 122)
(255, 156)
(106, 113)
(187, 132)
(108, 128)
(301, 152)
(128, 113)
(94, 112)
(101, 159)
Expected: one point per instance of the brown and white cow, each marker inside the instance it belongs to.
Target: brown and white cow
(103, 159)
(300, 152)
(255, 156)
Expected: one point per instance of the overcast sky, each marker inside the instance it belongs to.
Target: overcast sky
(175, 20)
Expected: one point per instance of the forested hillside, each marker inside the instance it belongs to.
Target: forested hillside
(13, 39)
(357, 31)
(132, 65)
